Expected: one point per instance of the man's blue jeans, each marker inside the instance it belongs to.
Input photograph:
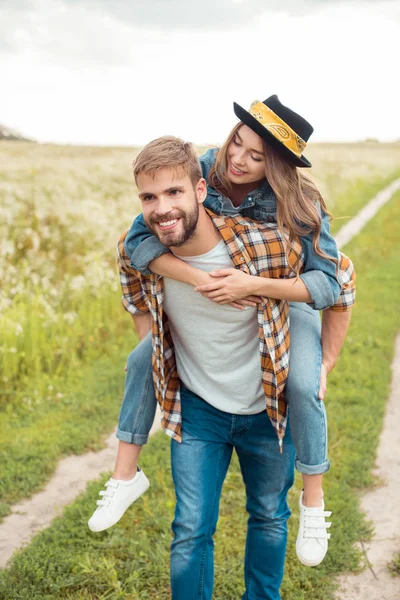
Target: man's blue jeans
(199, 467)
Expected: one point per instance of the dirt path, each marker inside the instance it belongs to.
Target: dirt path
(72, 474)
(382, 507)
(70, 478)
(354, 226)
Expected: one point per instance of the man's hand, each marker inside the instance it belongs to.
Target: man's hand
(323, 382)
(229, 286)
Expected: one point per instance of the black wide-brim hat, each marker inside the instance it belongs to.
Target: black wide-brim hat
(279, 126)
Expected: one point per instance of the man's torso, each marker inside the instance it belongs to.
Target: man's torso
(216, 346)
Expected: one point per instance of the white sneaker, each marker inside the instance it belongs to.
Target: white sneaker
(312, 539)
(116, 498)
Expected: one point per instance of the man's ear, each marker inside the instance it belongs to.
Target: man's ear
(201, 190)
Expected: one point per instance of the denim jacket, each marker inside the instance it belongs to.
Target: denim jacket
(321, 276)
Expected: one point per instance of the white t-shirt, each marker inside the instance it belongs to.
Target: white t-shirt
(216, 346)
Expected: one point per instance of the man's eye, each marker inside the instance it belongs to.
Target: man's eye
(148, 197)
(175, 192)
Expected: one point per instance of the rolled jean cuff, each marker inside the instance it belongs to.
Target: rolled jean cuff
(139, 439)
(312, 469)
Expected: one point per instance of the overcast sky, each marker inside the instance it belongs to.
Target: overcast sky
(126, 71)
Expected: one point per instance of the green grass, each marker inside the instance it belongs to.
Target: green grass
(38, 347)
(130, 561)
(70, 417)
(394, 566)
(43, 354)
(357, 193)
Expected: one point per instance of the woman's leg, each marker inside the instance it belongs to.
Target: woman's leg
(307, 418)
(128, 482)
(137, 411)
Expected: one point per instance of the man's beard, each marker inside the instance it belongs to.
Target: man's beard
(187, 227)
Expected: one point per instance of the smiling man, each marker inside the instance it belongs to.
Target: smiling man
(213, 371)
(219, 373)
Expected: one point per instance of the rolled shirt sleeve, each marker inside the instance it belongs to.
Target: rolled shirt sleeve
(134, 298)
(347, 296)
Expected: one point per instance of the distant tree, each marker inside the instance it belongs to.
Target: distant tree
(12, 135)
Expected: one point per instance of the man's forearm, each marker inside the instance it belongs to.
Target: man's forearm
(334, 331)
(142, 324)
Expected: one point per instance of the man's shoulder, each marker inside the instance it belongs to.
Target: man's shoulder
(121, 247)
(124, 260)
(240, 223)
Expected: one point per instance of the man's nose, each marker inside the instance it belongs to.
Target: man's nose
(163, 206)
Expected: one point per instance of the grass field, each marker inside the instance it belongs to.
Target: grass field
(64, 339)
(130, 561)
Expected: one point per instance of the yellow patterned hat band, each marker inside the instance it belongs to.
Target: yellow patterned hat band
(278, 128)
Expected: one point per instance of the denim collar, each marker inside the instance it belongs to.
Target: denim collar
(263, 195)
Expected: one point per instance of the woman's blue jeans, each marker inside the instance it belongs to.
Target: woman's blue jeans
(307, 414)
(199, 467)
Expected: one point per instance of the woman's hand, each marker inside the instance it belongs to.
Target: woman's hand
(230, 286)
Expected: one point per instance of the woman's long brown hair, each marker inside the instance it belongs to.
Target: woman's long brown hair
(297, 196)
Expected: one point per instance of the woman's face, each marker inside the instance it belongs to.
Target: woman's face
(246, 162)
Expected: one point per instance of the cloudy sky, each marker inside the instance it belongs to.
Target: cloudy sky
(125, 71)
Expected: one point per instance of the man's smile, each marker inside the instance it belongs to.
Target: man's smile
(167, 225)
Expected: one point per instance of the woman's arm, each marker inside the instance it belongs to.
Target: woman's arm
(148, 255)
(170, 266)
(318, 284)
(230, 285)
(142, 246)
(321, 275)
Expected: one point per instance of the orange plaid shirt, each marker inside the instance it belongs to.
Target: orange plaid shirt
(257, 249)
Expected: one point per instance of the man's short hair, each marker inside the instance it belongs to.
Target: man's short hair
(168, 152)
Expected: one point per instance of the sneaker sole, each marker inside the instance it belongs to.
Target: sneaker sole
(308, 563)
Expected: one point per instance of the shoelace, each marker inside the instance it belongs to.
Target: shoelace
(315, 526)
(107, 494)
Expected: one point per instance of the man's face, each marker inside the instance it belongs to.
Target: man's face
(170, 205)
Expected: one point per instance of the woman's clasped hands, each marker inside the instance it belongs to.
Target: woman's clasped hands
(230, 286)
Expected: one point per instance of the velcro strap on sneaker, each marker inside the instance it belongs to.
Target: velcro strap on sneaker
(311, 535)
(315, 525)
